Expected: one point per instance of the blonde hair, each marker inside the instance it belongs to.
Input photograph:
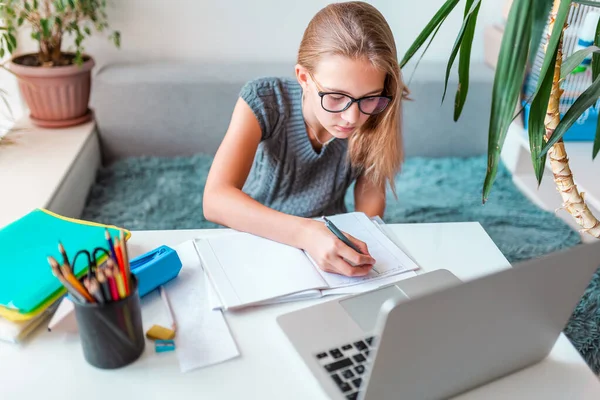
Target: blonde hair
(358, 30)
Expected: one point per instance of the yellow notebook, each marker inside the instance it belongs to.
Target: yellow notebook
(27, 286)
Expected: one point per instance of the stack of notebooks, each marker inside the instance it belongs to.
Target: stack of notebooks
(247, 270)
(29, 292)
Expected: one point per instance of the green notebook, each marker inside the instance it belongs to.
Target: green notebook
(27, 281)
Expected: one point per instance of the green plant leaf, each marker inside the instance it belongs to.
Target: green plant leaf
(559, 22)
(13, 40)
(35, 4)
(510, 71)
(439, 16)
(596, 142)
(575, 59)
(27, 6)
(45, 24)
(464, 61)
(471, 6)
(537, 115)
(541, 14)
(583, 102)
(2, 52)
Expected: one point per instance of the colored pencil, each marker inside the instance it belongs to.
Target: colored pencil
(56, 272)
(121, 264)
(126, 261)
(114, 293)
(69, 277)
(111, 246)
(101, 277)
(94, 289)
(63, 252)
(119, 281)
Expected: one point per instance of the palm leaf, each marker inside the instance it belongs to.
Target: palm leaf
(583, 102)
(537, 129)
(559, 22)
(424, 51)
(575, 59)
(508, 79)
(541, 12)
(463, 62)
(437, 19)
(470, 8)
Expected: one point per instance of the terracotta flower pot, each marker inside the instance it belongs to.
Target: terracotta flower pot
(56, 96)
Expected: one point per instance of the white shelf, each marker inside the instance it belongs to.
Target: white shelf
(47, 168)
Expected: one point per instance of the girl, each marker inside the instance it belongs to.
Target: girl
(293, 147)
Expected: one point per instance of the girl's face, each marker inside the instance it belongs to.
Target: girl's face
(338, 74)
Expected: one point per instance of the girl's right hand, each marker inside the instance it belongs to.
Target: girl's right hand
(333, 255)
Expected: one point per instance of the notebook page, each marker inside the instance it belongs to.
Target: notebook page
(247, 269)
(390, 259)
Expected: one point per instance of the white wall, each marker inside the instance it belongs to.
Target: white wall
(259, 30)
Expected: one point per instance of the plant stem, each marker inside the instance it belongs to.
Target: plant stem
(573, 201)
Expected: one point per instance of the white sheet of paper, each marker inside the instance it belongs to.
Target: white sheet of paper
(203, 337)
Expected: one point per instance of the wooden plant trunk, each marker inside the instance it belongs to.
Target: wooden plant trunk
(573, 201)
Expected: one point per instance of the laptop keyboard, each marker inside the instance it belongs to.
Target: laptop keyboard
(346, 365)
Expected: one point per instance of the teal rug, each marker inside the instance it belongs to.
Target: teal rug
(166, 193)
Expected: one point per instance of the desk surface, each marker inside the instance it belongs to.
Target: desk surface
(268, 366)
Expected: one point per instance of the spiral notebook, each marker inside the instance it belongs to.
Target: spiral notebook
(247, 270)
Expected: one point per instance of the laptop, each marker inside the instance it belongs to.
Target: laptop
(434, 337)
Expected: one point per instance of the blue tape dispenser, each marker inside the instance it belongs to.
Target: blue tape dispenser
(155, 268)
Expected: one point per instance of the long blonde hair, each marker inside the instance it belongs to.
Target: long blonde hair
(358, 30)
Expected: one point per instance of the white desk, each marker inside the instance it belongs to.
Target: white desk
(268, 367)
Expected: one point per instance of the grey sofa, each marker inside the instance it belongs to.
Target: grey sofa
(168, 109)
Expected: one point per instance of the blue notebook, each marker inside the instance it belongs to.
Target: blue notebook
(27, 282)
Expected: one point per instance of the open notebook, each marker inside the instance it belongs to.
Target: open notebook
(246, 270)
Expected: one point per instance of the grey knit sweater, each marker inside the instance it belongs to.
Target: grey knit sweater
(288, 174)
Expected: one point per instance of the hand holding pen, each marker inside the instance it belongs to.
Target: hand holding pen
(332, 252)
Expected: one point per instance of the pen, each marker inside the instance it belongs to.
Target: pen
(163, 294)
(340, 235)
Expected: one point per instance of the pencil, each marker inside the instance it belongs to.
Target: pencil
(56, 272)
(63, 252)
(126, 261)
(114, 293)
(111, 246)
(95, 290)
(119, 281)
(121, 264)
(163, 295)
(101, 277)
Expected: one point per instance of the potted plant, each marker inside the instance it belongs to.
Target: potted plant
(522, 35)
(55, 84)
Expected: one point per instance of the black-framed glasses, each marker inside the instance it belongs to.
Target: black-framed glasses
(335, 102)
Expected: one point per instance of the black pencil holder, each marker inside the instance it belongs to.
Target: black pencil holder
(112, 334)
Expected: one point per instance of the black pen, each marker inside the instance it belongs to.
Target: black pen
(340, 235)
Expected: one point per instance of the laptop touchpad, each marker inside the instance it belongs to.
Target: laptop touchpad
(364, 308)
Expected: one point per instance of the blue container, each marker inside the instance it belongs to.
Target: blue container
(583, 130)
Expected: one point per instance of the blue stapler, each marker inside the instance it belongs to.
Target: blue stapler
(155, 268)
